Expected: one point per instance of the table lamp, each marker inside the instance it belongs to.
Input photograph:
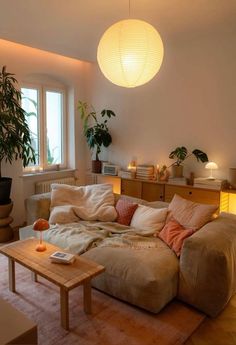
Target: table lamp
(211, 166)
(41, 225)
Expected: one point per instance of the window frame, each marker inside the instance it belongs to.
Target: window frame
(42, 126)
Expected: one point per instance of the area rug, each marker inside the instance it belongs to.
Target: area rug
(112, 322)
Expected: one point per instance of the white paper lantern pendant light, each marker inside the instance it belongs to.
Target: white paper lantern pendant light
(130, 53)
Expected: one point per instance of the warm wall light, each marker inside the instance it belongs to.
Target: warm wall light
(228, 201)
(130, 53)
(211, 166)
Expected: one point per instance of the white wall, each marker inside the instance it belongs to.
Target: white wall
(30, 64)
(191, 102)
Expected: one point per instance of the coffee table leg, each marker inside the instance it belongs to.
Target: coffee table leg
(87, 297)
(34, 276)
(64, 308)
(11, 272)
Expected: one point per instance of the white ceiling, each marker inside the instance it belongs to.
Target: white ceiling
(73, 27)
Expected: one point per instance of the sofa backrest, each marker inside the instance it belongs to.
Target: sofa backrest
(38, 205)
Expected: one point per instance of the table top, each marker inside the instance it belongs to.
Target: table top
(67, 276)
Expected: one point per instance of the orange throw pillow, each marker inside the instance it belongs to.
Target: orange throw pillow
(125, 211)
(174, 234)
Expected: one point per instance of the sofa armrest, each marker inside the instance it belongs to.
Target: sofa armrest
(208, 266)
(37, 206)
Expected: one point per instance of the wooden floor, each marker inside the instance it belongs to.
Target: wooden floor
(218, 331)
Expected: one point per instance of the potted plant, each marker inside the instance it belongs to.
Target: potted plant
(96, 133)
(181, 154)
(15, 140)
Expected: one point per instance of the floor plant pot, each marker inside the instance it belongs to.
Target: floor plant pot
(5, 190)
(6, 232)
(177, 170)
(96, 166)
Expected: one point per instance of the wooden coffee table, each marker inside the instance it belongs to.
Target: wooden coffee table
(67, 277)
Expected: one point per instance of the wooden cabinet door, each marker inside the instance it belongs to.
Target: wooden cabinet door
(131, 188)
(114, 180)
(152, 191)
(200, 195)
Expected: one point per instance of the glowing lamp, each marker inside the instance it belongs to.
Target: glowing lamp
(130, 53)
(228, 201)
(41, 225)
(211, 166)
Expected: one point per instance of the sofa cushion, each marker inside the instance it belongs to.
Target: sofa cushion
(125, 211)
(174, 234)
(63, 215)
(92, 202)
(190, 215)
(148, 218)
(147, 278)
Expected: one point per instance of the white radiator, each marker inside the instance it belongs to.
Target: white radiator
(45, 186)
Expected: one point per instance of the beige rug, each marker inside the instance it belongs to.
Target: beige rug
(112, 322)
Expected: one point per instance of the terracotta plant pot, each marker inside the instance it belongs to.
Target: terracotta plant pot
(5, 190)
(5, 210)
(96, 166)
(6, 232)
(177, 170)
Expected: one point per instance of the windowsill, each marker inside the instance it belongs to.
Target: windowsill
(46, 173)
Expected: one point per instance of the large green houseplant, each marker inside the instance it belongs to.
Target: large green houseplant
(15, 140)
(96, 132)
(181, 154)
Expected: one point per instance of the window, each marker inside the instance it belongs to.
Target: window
(45, 108)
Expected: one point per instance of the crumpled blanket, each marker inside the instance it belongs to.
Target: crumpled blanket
(84, 235)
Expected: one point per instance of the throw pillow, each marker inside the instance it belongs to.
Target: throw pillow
(190, 214)
(174, 234)
(92, 202)
(148, 218)
(62, 215)
(125, 211)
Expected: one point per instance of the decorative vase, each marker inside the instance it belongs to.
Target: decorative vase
(96, 166)
(177, 170)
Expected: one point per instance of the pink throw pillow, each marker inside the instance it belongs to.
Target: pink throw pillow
(125, 211)
(191, 215)
(174, 234)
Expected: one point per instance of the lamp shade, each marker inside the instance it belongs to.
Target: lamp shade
(211, 165)
(130, 53)
(41, 225)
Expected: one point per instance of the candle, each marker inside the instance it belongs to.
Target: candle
(132, 168)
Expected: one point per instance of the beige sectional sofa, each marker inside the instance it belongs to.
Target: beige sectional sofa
(204, 276)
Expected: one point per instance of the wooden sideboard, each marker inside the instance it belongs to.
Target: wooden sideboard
(200, 195)
(153, 190)
(146, 190)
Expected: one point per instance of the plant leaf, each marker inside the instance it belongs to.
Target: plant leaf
(200, 155)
